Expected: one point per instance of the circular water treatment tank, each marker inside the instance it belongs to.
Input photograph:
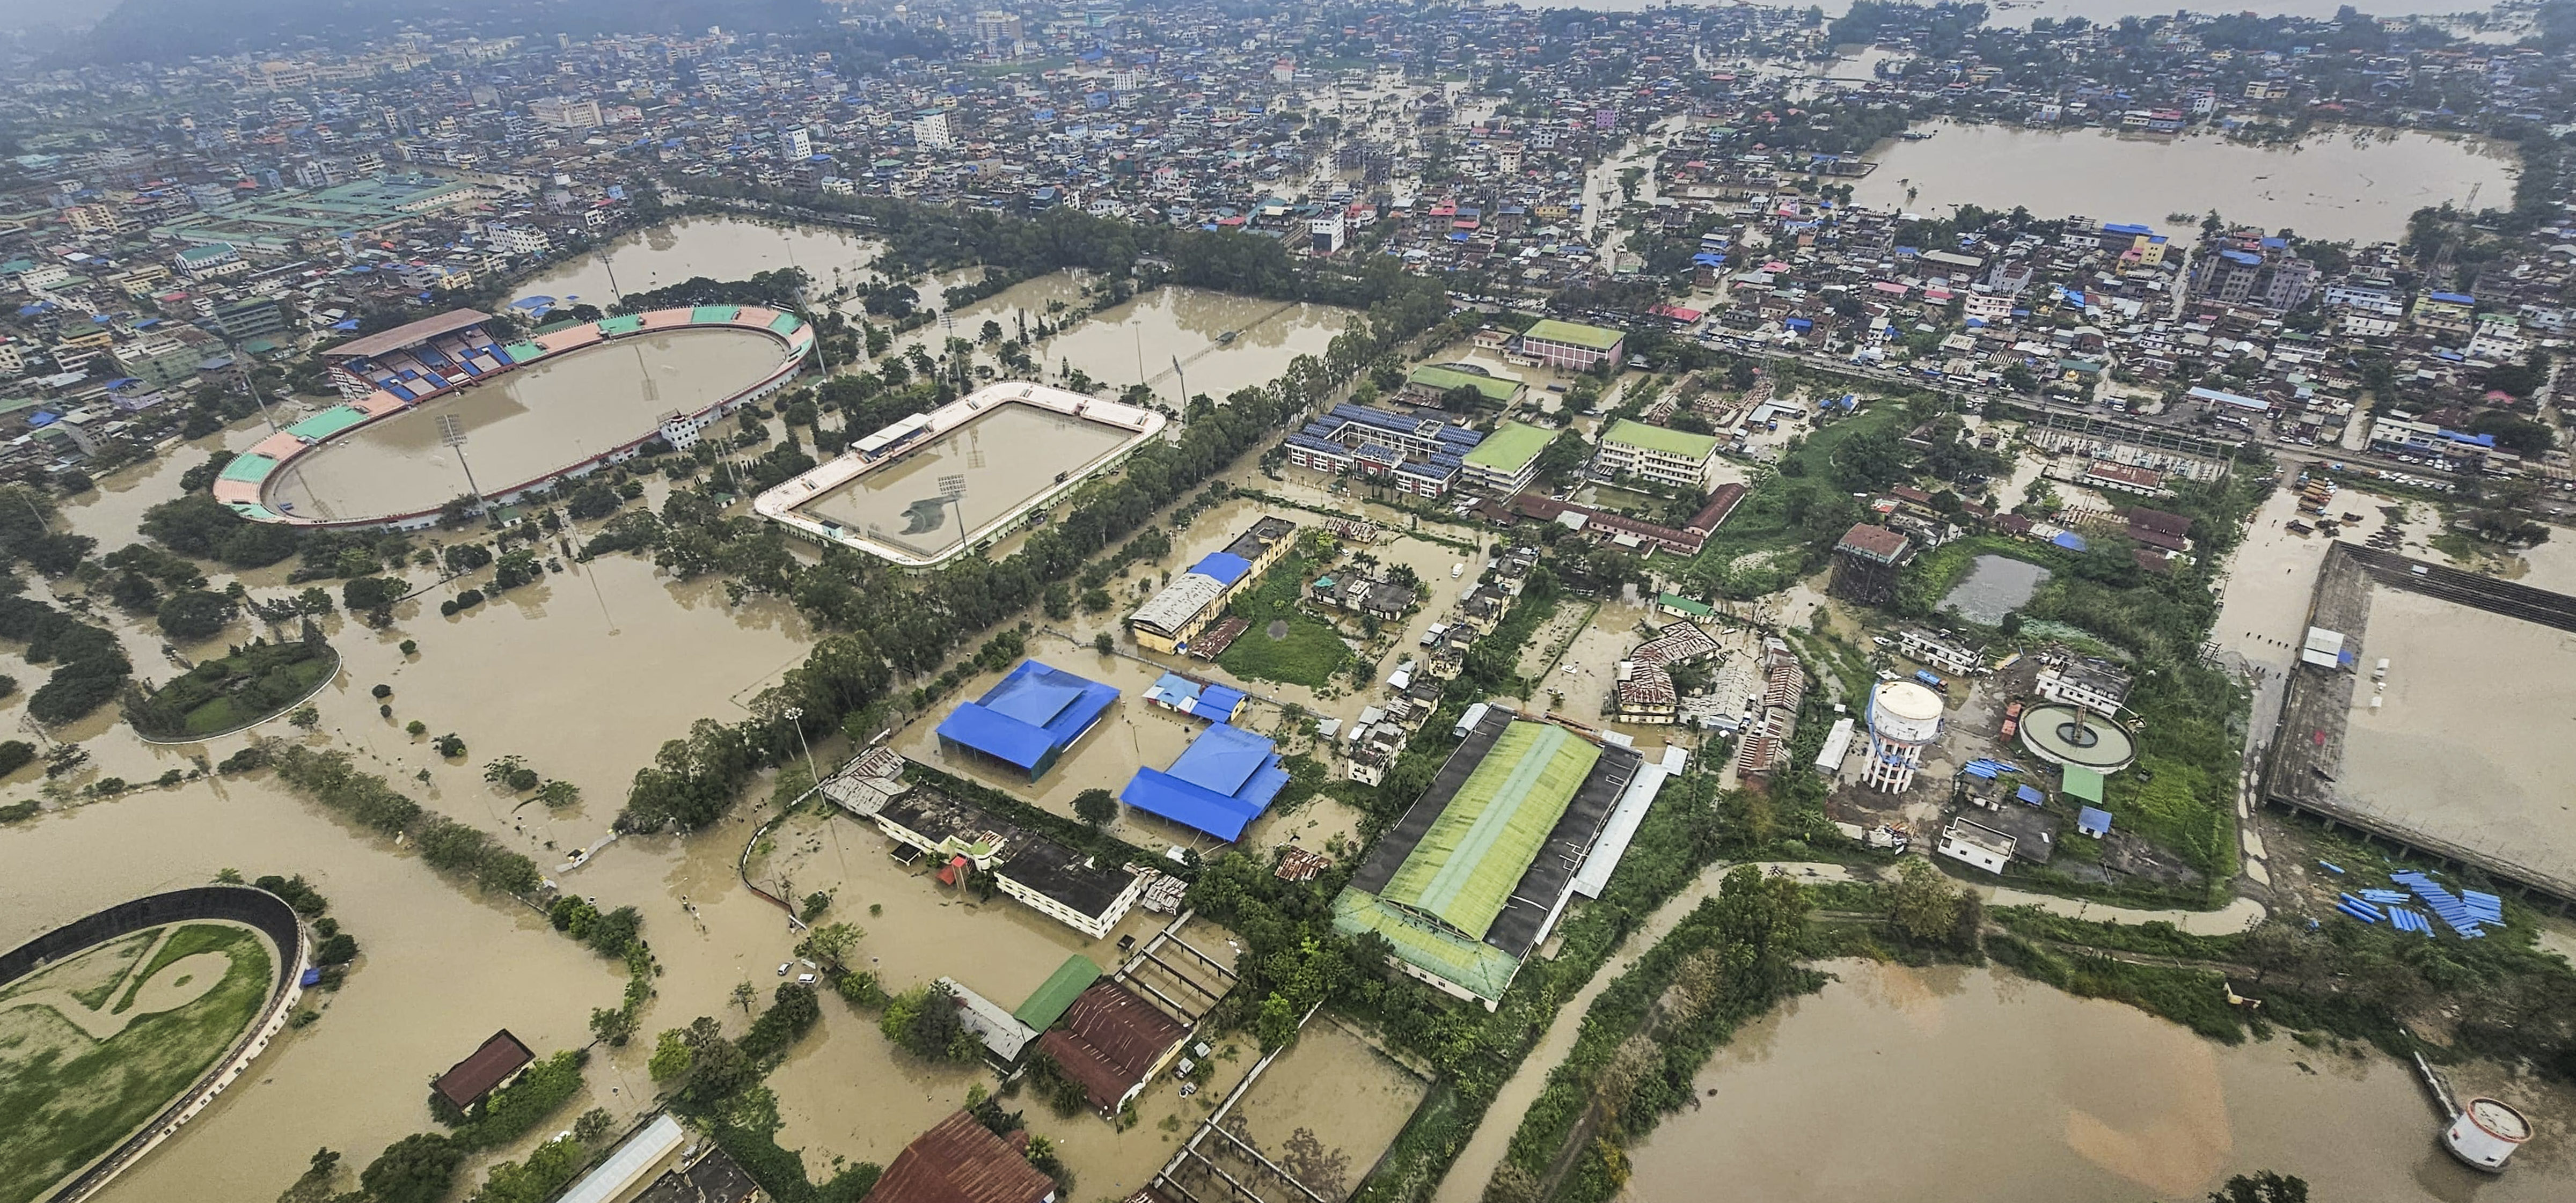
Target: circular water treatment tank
(1904, 712)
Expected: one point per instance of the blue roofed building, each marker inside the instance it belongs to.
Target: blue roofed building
(1027, 719)
(1220, 783)
(1417, 453)
(1198, 699)
(1175, 615)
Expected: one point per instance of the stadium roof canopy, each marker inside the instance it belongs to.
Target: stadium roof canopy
(408, 333)
(1028, 717)
(1464, 867)
(1220, 783)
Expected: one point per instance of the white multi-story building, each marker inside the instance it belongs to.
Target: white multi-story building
(1668, 457)
(566, 112)
(795, 145)
(930, 131)
(2091, 684)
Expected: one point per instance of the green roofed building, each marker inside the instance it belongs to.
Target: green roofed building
(1664, 456)
(1506, 462)
(1431, 384)
(1057, 993)
(1480, 867)
(1573, 345)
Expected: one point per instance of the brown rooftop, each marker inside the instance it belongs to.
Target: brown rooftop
(1109, 1039)
(1873, 542)
(466, 1082)
(959, 1161)
(408, 333)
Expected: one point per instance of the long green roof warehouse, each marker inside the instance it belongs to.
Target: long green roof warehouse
(1480, 868)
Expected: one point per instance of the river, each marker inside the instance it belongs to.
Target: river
(2357, 186)
(721, 248)
(1969, 1084)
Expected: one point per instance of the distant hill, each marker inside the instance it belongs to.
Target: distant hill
(177, 29)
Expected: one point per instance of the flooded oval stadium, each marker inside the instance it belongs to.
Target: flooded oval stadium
(526, 412)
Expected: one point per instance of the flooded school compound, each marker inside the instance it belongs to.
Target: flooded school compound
(929, 486)
(444, 410)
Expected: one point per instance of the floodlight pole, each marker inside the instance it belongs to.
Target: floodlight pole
(452, 433)
(794, 716)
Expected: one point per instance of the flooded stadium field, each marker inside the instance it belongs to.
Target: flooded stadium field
(1004, 457)
(525, 425)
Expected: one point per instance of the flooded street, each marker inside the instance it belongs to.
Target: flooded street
(1966, 1084)
(720, 248)
(2332, 186)
(523, 425)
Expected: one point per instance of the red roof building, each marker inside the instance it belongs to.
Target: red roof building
(960, 1161)
(499, 1060)
(1110, 1040)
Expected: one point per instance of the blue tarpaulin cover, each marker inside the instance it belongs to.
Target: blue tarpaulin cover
(1224, 567)
(1220, 783)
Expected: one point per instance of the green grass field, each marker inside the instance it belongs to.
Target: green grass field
(66, 1099)
(1308, 653)
(235, 691)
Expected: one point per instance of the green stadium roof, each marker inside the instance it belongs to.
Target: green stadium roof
(627, 324)
(1496, 389)
(714, 313)
(1657, 438)
(1463, 870)
(1510, 448)
(786, 323)
(327, 423)
(1058, 992)
(1574, 334)
(1477, 967)
(250, 469)
(522, 352)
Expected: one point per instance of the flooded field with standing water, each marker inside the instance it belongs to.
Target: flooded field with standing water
(2332, 186)
(719, 248)
(1928, 1085)
(524, 424)
(1995, 586)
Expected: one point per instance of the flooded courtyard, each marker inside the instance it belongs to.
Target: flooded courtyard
(2360, 187)
(1972, 1085)
(527, 423)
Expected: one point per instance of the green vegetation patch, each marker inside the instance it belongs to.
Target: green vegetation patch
(1308, 653)
(253, 683)
(67, 1098)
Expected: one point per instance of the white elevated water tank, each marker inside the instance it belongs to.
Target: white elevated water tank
(1904, 717)
(2485, 1133)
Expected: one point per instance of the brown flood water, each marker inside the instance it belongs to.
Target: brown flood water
(721, 248)
(523, 424)
(1004, 457)
(440, 971)
(1973, 1085)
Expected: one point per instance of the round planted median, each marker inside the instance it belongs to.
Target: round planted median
(113, 1028)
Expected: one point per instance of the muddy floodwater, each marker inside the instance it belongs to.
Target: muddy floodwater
(1995, 586)
(1191, 325)
(2469, 744)
(1928, 1086)
(523, 425)
(719, 248)
(2359, 187)
(439, 972)
(1002, 459)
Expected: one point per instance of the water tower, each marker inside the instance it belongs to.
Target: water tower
(2485, 1133)
(1904, 718)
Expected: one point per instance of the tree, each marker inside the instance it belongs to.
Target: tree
(670, 1058)
(372, 593)
(1095, 806)
(829, 945)
(744, 994)
(1104, 643)
(319, 1183)
(195, 614)
(1921, 903)
(2262, 1187)
(416, 1169)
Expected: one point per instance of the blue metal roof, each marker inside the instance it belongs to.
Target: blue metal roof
(1224, 780)
(2093, 821)
(1224, 567)
(1035, 710)
(2070, 541)
(2030, 795)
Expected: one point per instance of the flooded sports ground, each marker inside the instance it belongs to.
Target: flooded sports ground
(1955, 1084)
(524, 424)
(721, 248)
